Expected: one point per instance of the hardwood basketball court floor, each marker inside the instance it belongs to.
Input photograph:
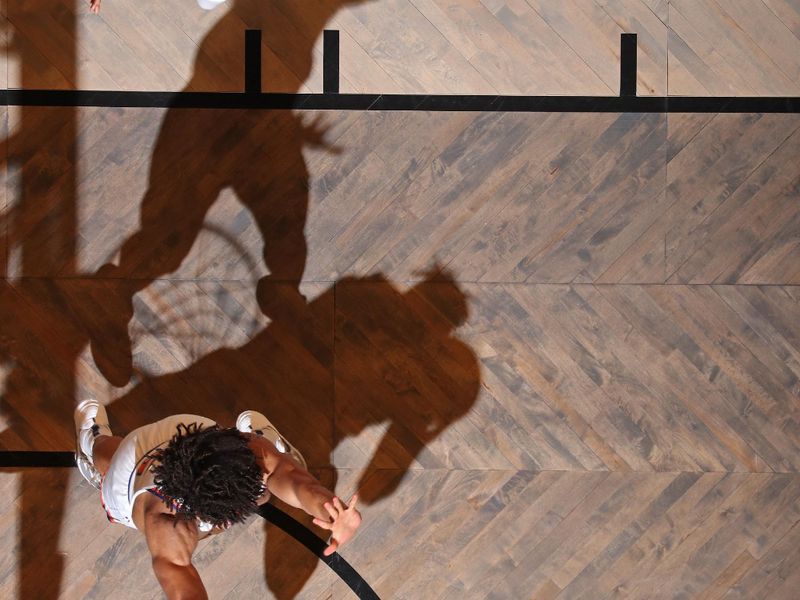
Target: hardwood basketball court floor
(557, 353)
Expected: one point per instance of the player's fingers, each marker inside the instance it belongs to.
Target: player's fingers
(338, 504)
(331, 548)
(331, 510)
(323, 524)
(353, 501)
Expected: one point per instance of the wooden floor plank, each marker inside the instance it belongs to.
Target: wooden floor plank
(752, 51)
(549, 221)
(771, 570)
(676, 573)
(425, 46)
(787, 12)
(579, 547)
(747, 225)
(723, 173)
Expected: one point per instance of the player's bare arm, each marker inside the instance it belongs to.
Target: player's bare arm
(172, 542)
(184, 477)
(293, 484)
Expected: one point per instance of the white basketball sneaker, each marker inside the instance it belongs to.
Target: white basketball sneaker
(91, 420)
(251, 421)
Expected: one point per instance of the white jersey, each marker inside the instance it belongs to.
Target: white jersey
(130, 473)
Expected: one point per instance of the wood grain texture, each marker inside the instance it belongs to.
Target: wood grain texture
(388, 46)
(4, 195)
(515, 353)
(728, 231)
(733, 48)
(623, 438)
(536, 47)
(558, 355)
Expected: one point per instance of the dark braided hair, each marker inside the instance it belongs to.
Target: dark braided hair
(209, 474)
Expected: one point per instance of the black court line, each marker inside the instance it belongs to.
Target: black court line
(345, 571)
(627, 65)
(339, 565)
(330, 62)
(331, 99)
(252, 61)
(25, 459)
(401, 102)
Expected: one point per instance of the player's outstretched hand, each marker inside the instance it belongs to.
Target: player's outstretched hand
(343, 524)
(94, 6)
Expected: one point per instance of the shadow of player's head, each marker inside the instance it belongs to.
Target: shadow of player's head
(367, 369)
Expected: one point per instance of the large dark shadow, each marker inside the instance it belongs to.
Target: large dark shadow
(397, 364)
(198, 154)
(39, 221)
(362, 353)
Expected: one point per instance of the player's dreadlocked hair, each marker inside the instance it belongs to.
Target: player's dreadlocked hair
(210, 474)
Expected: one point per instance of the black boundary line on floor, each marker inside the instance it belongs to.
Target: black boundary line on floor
(335, 561)
(252, 61)
(331, 99)
(330, 62)
(30, 459)
(627, 65)
(401, 102)
(10, 459)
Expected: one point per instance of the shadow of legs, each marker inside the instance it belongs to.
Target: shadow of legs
(288, 565)
(43, 494)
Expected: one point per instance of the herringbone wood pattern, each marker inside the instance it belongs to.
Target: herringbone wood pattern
(542, 408)
(557, 354)
(530, 47)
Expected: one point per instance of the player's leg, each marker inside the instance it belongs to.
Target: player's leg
(104, 449)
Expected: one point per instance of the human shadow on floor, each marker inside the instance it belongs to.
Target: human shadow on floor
(360, 355)
(394, 363)
(330, 373)
(365, 376)
(257, 154)
(36, 359)
(38, 215)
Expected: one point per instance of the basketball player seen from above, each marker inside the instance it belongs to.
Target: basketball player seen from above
(183, 478)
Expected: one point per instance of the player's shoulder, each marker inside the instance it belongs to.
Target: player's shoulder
(168, 536)
(265, 452)
(158, 516)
